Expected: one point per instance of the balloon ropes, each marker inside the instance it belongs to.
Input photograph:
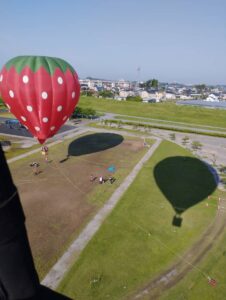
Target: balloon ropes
(41, 92)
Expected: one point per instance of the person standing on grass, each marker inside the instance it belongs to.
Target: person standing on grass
(35, 167)
(101, 180)
(45, 151)
(92, 178)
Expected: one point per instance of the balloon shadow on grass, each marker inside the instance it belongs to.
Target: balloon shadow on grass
(92, 143)
(185, 181)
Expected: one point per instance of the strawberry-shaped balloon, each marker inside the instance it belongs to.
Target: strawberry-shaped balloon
(40, 91)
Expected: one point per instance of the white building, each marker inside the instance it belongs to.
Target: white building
(143, 94)
(169, 96)
(212, 98)
(123, 94)
(123, 84)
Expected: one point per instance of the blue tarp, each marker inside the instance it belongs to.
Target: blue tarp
(111, 168)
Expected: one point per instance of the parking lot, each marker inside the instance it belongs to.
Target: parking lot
(20, 131)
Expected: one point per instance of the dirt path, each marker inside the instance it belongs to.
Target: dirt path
(192, 257)
(58, 271)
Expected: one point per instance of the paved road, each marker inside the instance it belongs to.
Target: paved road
(214, 148)
(22, 132)
(164, 123)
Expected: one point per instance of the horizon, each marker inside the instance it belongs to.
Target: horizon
(159, 81)
(171, 41)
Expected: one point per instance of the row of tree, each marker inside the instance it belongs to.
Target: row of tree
(151, 83)
(196, 145)
(80, 112)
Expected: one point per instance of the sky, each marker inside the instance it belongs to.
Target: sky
(171, 40)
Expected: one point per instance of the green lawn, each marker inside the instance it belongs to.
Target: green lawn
(4, 111)
(169, 123)
(195, 287)
(164, 111)
(16, 147)
(133, 244)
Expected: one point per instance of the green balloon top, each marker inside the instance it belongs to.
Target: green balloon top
(35, 62)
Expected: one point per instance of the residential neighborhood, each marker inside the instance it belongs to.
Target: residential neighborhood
(149, 93)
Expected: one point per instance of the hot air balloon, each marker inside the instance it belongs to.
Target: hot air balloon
(41, 92)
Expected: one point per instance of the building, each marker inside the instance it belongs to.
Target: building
(212, 98)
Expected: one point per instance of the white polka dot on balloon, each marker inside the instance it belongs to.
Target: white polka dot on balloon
(1, 78)
(25, 79)
(59, 108)
(64, 118)
(60, 80)
(52, 128)
(23, 118)
(73, 94)
(11, 94)
(45, 120)
(37, 128)
(44, 95)
(29, 108)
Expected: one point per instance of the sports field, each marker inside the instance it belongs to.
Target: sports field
(61, 199)
(163, 213)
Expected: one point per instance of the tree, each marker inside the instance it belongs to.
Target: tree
(83, 112)
(172, 136)
(87, 93)
(200, 88)
(196, 145)
(185, 140)
(119, 124)
(106, 94)
(214, 159)
(135, 126)
(154, 83)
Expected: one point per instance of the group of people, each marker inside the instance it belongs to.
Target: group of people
(45, 150)
(35, 165)
(102, 180)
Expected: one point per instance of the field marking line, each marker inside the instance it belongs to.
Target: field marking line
(58, 271)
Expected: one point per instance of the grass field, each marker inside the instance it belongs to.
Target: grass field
(163, 111)
(169, 123)
(194, 287)
(133, 244)
(61, 199)
(16, 147)
(4, 111)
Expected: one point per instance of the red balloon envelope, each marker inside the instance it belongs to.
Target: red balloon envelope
(40, 91)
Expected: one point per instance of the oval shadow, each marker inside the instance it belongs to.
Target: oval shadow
(184, 181)
(95, 142)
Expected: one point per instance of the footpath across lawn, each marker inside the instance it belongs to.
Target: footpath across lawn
(138, 240)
